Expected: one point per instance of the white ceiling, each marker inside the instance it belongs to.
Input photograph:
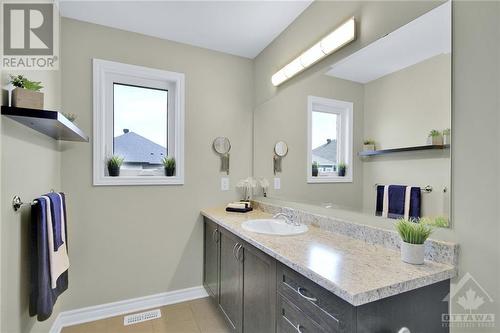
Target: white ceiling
(241, 28)
(425, 37)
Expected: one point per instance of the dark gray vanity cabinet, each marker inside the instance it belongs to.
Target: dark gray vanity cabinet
(258, 294)
(231, 280)
(246, 281)
(211, 259)
(259, 291)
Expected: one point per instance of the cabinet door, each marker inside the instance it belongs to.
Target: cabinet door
(259, 291)
(231, 280)
(211, 259)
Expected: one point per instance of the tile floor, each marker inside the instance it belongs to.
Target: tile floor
(197, 316)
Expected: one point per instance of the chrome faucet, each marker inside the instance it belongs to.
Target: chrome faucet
(287, 218)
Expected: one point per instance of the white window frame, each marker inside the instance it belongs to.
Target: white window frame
(345, 111)
(105, 74)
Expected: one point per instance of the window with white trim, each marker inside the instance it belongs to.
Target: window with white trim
(138, 116)
(330, 131)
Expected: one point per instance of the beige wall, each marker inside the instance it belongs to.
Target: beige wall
(132, 241)
(30, 166)
(399, 110)
(476, 142)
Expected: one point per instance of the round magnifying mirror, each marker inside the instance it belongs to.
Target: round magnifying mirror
(222, 145)
(281, 148)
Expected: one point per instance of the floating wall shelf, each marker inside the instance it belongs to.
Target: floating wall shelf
(50, 123)
(401, 150)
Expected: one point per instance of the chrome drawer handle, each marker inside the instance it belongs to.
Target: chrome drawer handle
(214, 235)
(312, 299)
(234, 250)
(298, 327)
(238, 252)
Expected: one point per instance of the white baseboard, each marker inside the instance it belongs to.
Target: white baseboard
(91, 313)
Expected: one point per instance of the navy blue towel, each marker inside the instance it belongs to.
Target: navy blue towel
(56, 205)
(42, 296)
(397, 194)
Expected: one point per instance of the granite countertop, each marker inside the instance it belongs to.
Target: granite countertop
(352, 269)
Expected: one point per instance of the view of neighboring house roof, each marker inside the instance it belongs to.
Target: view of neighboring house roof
(137, 149)
(325, 154)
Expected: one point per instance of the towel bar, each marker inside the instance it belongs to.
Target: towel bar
(424, 189)
(17, 202)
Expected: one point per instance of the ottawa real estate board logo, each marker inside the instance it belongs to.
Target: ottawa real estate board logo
(30, 39)
(472, 308)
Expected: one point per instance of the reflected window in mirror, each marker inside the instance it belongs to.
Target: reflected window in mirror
(329, 140)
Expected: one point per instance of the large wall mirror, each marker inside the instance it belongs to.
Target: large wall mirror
(370, 133)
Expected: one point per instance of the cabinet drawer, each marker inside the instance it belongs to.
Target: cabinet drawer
(292, 320)
(326, 309)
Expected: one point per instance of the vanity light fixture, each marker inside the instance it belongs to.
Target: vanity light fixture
(338, 38)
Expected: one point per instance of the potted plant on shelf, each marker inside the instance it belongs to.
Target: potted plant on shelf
(368, 145)
(315, 169)
(342, 167)
(70, 116)
(169, 164)
(27, 93)
(447, 136)
(435, 138)
(413, 235)
(114, 164)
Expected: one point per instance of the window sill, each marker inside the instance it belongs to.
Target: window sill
(138, 180)
(329, 179)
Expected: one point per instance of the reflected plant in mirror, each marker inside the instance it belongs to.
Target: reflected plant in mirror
(435, 137)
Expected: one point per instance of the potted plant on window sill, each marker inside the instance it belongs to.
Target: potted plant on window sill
(27, 93)
(114, 164)
(169, 164)
(342, 167)
(314, 169)
(436, 138)
(368, 145)
(413, 236)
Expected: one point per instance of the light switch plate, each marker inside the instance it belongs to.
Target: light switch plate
(224, 184)
(277, 183)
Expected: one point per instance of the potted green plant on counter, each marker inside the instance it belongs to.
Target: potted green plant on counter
(314, 169)
(169, 164)
(27, 93)
(342, 167)
(413, 236)
(435, 138)
(369, 145)
(114, 164)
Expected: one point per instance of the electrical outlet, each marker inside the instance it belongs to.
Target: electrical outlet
(224, 184)
(277, 183)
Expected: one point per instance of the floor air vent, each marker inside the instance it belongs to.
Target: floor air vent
(140, 317)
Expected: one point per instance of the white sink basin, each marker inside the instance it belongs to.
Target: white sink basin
(274, 227)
